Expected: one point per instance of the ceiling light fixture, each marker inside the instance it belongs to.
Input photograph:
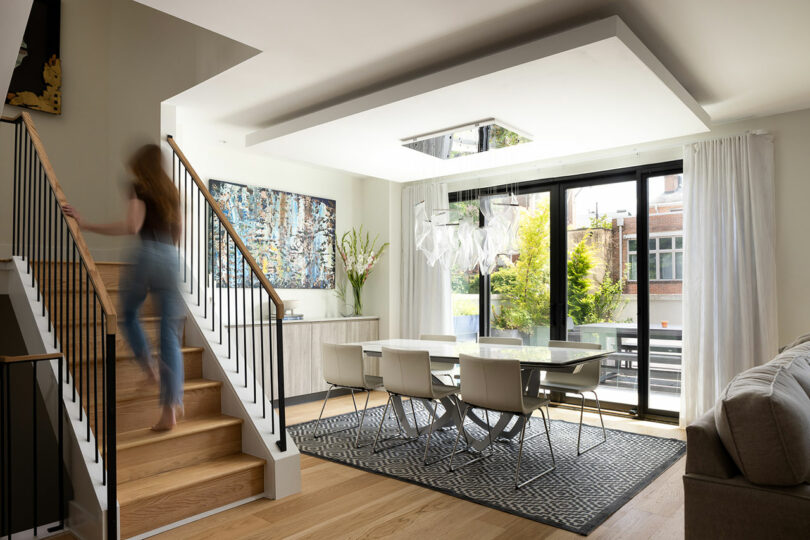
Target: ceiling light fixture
(467, 139)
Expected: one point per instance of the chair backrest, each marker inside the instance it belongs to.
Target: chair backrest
(494, 340)
(491, 384)
(343, 365)
(587, 376)
(406, 372)
(437, 337)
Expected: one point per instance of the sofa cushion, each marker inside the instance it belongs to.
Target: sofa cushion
(763, 419)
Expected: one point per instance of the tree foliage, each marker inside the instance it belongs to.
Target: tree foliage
(525, 285)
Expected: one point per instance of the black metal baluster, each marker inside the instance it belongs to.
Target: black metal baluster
(51, 269)
(209, 263)
(16, 215)
(228, 284)
(219, 278)
(9, 430)
(111, 456)
(87, 344)
(37, 227)
(81, 320)
(252, 332)
(270, 363)
(60, 446)
(236, 302)
(282, 420)
(28, 203)
(244, 316)
(72, 295)
(3, 493)
(185, 222)
(261, 349)
(200, 231)
(95, 369)
(104, 398)
(35, 448)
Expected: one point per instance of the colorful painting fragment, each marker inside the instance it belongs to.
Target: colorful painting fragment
(291, 236)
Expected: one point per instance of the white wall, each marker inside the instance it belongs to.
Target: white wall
(791, 133)
(120, 59)
(12, 27)
(221, 162)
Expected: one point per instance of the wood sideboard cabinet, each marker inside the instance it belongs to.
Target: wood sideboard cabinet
(303, 342)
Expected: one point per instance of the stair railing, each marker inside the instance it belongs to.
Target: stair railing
(81, 316)
(216, 259)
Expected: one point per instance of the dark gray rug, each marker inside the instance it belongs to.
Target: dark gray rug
(578, 496)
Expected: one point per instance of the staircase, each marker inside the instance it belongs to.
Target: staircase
(155, 478)
(168, 476)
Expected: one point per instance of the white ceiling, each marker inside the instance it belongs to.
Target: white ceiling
(738, 58)
(591, 88)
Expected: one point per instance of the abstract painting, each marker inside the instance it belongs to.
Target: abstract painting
(291, 236)
(36, 82)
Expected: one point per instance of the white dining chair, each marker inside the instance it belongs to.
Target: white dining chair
(343, 368)
(497, 385)
(498, 340)
(441, 369)
(407, 374)
(585, 381)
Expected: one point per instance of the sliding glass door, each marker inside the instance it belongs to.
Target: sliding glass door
(602, 303)
(598, 258)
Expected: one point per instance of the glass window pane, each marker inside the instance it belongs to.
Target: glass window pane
(679, 265)
(652, 244)
(634, 267)
(664, 243)
(631, 245)
(464, 282)
(679, 242)
(653, 273)
(666, 265)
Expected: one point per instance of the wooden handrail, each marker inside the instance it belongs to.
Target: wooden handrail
(8, 119)
(228, 227)
(107, 305)
(30, 358)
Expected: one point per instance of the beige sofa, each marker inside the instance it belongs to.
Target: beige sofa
(748, 459)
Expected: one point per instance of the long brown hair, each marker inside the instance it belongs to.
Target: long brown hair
(153, 182)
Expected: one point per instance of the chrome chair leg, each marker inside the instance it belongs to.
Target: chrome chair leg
(581, 416)
(519, 484)
(382, 421)
(362, 418)
(463, 414)
(482, 456)
(325, 399)
(356, 415)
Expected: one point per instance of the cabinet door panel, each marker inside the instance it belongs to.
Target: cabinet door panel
(297, 359)
(366, 331)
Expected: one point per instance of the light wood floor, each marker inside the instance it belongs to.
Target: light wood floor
(337, 501)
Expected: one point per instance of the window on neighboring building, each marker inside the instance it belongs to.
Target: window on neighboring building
(666, 258)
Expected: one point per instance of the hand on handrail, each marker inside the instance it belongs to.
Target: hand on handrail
(72, 212)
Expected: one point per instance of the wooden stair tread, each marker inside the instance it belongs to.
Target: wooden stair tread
(153, 391)
(180, 479)
(129, 356)
(141, 437)
(147, 319)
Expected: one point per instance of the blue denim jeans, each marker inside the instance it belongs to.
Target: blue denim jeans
(154, 269)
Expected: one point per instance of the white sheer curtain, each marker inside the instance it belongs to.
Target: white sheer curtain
(730, 318)
(426, 302)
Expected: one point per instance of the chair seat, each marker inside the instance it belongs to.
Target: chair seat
(531, 404)
(559, 387)
(442, 367)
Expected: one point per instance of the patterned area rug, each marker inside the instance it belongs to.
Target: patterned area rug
(578, 496)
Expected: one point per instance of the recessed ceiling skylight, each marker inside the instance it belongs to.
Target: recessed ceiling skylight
(466, 140)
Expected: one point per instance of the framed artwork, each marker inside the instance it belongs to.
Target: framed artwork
(291, 236)
(36, 82)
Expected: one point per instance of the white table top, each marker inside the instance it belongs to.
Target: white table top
(528, 355)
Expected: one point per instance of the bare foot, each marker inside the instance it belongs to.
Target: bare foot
(167, 419)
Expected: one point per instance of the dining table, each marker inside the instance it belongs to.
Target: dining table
(533, 361)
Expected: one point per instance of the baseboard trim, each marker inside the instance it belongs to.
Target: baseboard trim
(197, 517)
(308, 398)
